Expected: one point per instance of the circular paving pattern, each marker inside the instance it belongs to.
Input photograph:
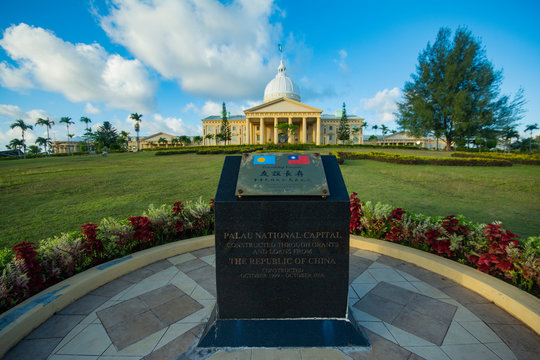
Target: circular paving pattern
(159, 312)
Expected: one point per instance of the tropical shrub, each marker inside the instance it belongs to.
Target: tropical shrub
(422, 160)
(486, 247)
(532, 159)
(29, 268)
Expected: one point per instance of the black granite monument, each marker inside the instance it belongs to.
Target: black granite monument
(282, 254)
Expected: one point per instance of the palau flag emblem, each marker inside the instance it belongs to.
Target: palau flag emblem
(299, 159)
(264, 159)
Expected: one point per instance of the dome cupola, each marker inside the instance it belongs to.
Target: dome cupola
(281, 86)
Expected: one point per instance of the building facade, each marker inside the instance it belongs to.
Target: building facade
(281, 104)
(405, 138)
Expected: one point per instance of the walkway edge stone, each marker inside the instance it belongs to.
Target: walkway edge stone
(28, 315)
(516, 302)
(22, 319)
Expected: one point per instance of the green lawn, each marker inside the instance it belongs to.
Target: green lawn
(43, 197)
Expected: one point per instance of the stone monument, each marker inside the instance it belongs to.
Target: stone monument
(282, 254)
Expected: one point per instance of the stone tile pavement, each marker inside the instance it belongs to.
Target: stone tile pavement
(159, 311)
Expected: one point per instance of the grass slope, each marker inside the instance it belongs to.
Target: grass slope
(43, 197)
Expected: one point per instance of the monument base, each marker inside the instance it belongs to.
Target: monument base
(269, 333)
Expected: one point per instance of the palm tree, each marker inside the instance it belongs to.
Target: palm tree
(48, 124)
(385, 130)
(67, 120)
(185, 140)
(24, 126)
(375, 127)
(42, 142)
(528, 128)
(197, 139)
(174, 141)
(86, 120)
(507, 134)
(162, 140)
(16, 144)
(33, 150)
(364, 127)
(137, 118)
(124, 139)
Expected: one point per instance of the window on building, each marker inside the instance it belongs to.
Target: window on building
(234, 137)
(330, 127)
(234, 128)
(210, 128)
(330, 137)
(258, 137)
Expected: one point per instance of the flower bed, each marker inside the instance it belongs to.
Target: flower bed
(30, 268)
(422, 160)
(487, 247)
(533, 159)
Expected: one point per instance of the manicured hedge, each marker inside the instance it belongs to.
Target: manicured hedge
(513, 158)
(422, 160)
(371, 146)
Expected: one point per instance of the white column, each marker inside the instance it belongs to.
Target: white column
(289, 132)
(318, 131)
(304, 130)
(262, 130)
(248, 131)
(275, 130)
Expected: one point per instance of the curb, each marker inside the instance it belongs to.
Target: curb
(19, 321)
(516, 302)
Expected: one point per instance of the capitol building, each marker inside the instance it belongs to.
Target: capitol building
(281, 104)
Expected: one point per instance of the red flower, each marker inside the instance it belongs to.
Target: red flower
(397, 214)
(26, 251)
(92, 245)
(178, 207)
(356, 214)
(143, 228)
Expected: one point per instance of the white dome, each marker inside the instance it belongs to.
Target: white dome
(281, 86)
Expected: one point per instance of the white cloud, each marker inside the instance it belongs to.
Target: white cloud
(383, 105)
(91, 109)
(157, 123)
(211, 108)
(190, 107)
(15, 78)
(341, 61)
(210, 48)
(80, 72)
(214, 108)
(10, 113)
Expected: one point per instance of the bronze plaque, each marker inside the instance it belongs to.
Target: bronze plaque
(279, 174)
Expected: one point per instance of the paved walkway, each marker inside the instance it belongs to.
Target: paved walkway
(159, 311)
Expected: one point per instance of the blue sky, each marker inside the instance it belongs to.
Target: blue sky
(176, 61)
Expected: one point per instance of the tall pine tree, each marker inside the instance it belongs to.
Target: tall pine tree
(225, 130)
(344, 130)
(456, 92)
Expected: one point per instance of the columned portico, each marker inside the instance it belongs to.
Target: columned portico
(270, 114)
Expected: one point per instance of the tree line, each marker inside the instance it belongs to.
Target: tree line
(105, 137)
